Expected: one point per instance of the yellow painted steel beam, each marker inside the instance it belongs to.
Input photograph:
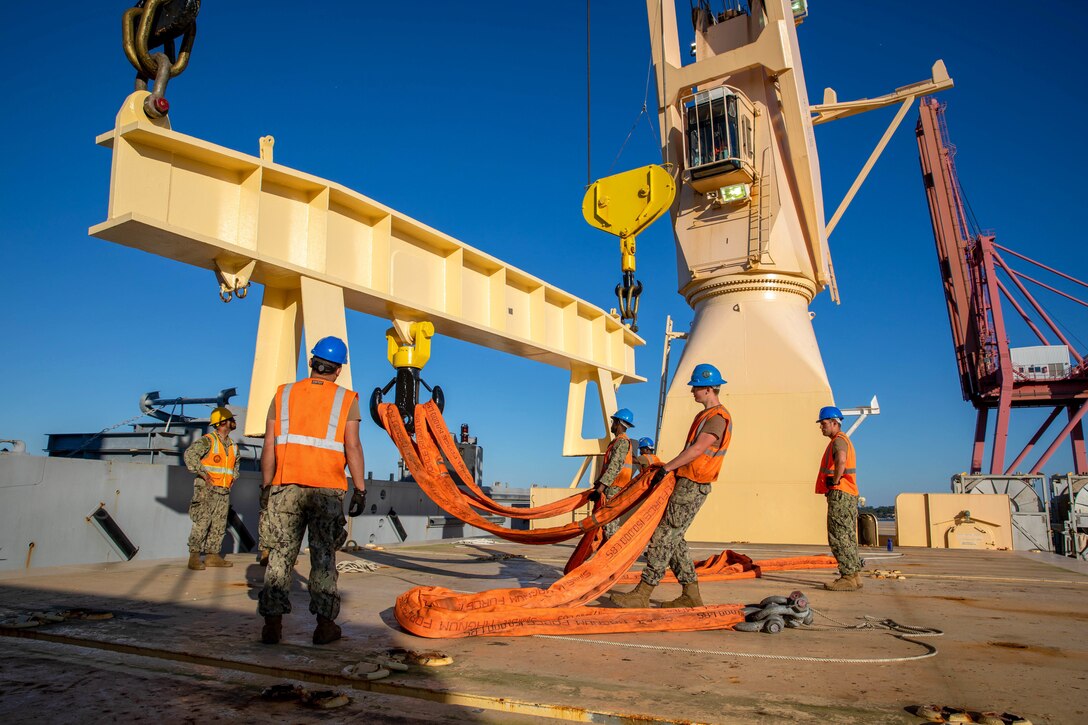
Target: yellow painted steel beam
(319, 247)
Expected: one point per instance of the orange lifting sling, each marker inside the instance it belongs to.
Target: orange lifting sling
(440, 612)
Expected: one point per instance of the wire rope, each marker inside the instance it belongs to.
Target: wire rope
(904, 632)
(1013, 274)
(643, 112)
(589, 103)
(664, 83)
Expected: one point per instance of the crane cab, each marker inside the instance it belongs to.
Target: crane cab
(719, 139)
(800, 10)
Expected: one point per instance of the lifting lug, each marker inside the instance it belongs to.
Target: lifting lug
(233, 275)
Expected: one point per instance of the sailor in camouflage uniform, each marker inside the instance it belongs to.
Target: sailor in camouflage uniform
(311, 432)
(838, 482)
(618, 465)
(696, 468)
(214, 459)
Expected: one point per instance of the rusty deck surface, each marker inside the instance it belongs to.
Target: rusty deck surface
(183, 645)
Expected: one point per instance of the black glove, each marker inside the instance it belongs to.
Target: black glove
(597, 494)
(659, 475)
(358, 503)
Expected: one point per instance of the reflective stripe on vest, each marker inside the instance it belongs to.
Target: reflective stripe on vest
(627, 471)
(219, 464)
(329, 442)
(848, 482)
(708, 465)
(310, 445)
(721, 451)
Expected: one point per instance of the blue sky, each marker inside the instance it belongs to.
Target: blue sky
(471, 118)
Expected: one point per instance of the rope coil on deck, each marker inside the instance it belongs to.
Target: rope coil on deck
(356, 567)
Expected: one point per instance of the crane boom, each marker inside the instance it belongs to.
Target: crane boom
(952, 237)
(971, 267)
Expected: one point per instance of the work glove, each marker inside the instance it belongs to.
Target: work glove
(659, 475)
(358, 503)
(597, 494)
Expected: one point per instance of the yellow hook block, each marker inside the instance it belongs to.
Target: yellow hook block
(625, 204)
(415, 354)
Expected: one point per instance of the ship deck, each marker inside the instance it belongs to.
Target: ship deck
(183, 645)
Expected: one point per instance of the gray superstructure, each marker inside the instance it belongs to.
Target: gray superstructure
(110, 496)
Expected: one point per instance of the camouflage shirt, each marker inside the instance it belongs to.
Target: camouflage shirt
(614, 465)
(194, 455)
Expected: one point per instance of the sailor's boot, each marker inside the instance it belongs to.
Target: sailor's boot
(637, 598)
(216, 560)
(845, 583)
(689, 598)
(194, 561)
(326, 630)
(273, 629)
(857, 579)
(264, 557)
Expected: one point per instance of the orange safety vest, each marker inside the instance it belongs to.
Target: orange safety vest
(219, 460)
(849, 480)
(651, 459)
(706, 467)
(627, 472)
(311, 418)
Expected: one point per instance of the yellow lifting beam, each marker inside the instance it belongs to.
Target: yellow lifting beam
(319, 248)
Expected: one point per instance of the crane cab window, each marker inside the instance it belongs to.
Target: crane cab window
(718, 141)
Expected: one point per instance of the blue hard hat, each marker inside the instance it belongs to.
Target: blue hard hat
(332, 349)
(646, 443)
(829, 412)
(624, 415)
(705, 375)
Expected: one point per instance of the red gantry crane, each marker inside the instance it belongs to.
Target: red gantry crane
(977, 282)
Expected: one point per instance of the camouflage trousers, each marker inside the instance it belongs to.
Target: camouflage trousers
(261, 536)
(611, 527)
(294, 511)
(208, 511)
(842, 530)
(667, 547)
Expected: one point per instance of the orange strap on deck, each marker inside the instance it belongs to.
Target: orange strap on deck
(732, 565)
(440, 612)
(560, 608)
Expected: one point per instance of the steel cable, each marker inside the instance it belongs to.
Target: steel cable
(903, 632)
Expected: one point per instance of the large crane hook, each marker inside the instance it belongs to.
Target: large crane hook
(150, 24)
(624, 205)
